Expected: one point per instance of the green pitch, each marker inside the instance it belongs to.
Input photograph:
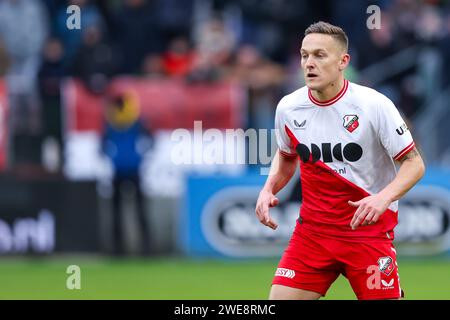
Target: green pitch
(175, 278)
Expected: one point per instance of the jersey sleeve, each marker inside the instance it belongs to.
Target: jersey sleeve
(393, 131)
(283, 140)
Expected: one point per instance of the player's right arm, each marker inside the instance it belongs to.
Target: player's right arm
(281, 171)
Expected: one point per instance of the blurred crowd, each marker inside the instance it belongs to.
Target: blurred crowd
(253, 42)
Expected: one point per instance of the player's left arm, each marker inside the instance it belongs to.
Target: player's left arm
(412, 169)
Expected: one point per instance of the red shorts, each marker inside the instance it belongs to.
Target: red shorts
(313, 262)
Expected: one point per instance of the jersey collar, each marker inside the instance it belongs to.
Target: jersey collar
(332, 100)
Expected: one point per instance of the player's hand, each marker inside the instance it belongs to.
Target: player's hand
(369, 210)
(265, 201)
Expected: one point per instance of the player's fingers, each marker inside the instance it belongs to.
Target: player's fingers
(271, 224)
(354, 203)
(375, 218)
(357, 212)
(274, 202)
(368, 218)
(267, 220)
(359, 218)
(265, 216)
(260, 211)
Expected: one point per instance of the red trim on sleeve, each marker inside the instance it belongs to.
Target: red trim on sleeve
(287, 154)
(402, 153)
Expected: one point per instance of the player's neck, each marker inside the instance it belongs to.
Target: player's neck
(330, 91)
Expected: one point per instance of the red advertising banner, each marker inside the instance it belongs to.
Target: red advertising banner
(164, 104)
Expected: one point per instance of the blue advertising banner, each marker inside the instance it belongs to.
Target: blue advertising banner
(218, 217)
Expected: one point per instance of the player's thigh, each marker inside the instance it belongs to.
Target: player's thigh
(279, 292)
(373, 271)
(307, 265)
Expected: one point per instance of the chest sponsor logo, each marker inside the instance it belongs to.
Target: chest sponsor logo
(351, 152)
(351, 122)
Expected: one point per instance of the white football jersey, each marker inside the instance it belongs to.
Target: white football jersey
(347, 147)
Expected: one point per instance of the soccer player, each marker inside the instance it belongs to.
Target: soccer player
(347, 139)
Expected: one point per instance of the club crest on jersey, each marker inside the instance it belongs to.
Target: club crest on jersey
(351, 122)
(385, 265)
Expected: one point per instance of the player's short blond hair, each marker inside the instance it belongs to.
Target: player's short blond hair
(332, 30)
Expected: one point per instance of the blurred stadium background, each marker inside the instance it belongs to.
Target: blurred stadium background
(92, 175)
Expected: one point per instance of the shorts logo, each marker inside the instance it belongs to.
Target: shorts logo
(287, 273)
(388, 285)
(351, 122)
(385, 265)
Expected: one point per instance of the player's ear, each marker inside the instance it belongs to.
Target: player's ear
(345, 60)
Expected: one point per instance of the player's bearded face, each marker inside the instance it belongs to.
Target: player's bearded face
(321, 60)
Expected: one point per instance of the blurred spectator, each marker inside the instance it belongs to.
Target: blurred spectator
(73, 39)
(137, 34)
(52, 6)
(214, 47)
(50, 76)
(204, 70)
(95, 61)
(405, 14)
(125, 142)
(444, 48)
(3, 59)
(214, 42)
(174, 17)
(178, 58)
(153, 67)
(356, 26)
(429, 26)
(273, 25)
(23, 30)
(380, 44)
(264, 79)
